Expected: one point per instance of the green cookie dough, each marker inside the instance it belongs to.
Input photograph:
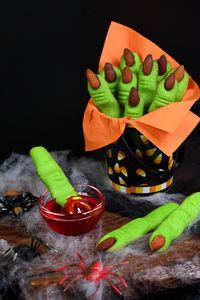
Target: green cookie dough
(123, 89)
(104, 99)
(52, 175)
(147, 84)
(182, 86)
(134, 111)
(178, 220)
(135, 67)
(112, 85)
(135, 229)
(163, 96)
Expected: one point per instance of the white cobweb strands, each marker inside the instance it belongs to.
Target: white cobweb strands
(18, 172)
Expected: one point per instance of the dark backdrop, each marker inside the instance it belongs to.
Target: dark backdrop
(45, 48)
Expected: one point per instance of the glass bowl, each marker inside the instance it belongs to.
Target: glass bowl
(72, 224)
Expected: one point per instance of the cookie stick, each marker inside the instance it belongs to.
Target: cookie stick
(165, 94)
(175, 223)
(147, 80)
(164, 67)
(130, 59)
(135, 229)
(111, 74)
(56, 181)
(183, 78)
(101, 95)
(134, 105)
(126, 82)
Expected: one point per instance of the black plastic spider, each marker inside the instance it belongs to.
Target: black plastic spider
(25, 252)
(15, 205)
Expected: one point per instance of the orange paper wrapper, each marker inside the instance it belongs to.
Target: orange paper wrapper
(166, 127)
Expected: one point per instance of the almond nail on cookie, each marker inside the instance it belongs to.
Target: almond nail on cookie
(135, 229)
(112, 75)
(134, 105)
(126, 82)
(175, 223)
(147, 80)
(164, 67)
(183, 79)
(130, 59)
(101, 95)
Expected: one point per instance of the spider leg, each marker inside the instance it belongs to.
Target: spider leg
(65, 267)
(83, 262)
(67, 275)
(7, 252)
(118, 265)
(119, 277)
(46, 245)
(111, 284)
(35, 244)
(76, 278)
(95, 292)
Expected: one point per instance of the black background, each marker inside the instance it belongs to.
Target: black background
(45, 48)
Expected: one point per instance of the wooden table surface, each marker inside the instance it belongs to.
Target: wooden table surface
(146, 274)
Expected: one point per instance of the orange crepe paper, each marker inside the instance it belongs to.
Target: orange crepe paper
(166, 127)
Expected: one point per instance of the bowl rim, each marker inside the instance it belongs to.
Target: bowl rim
(71, 217)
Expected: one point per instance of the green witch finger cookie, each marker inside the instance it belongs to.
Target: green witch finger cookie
(56, 181)
(134, 105)
(175, 223)
(135, 229)
(112, 75)
(102, 96)
(130, 59)
(52, 175)
(126, 82)
(147, 80)
(165, 94)
(164, 67)
(183, 78)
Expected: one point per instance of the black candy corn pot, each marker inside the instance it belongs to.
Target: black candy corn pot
(136, 166)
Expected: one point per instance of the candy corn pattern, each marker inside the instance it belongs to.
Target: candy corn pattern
(109, 153)
(116, 168)
(151, 151)
(121, 181)
(141, 172)
(110, 171)
(123, 171)
(144, 139)
(170, 163)
(139, 153)
(143, 189)
(158, 159)
(121, 155)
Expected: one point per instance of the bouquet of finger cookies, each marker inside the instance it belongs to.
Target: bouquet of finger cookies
(139, 110)
(137, 87)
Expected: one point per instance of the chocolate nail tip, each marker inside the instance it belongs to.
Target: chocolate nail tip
(106, 244)
(126, 50)
(133, 97)
(149, 57)
(88, 72)
(129, 57)
(157, 243)
(127, 75)
(162, 57)
(108, 65)
(181, 68)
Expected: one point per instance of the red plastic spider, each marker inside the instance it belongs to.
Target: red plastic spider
(95, 272)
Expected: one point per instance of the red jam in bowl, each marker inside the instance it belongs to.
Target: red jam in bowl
(73, 224)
